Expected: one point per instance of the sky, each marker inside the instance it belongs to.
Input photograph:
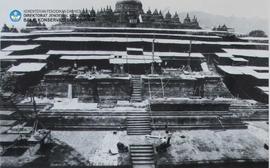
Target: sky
(240, 8)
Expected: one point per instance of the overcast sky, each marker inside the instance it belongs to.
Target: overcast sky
(240, 8)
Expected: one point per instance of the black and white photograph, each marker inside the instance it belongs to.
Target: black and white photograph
(134, 83)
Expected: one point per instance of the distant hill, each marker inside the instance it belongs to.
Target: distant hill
(241, 25)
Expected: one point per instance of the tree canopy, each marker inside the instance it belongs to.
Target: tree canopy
(257, 33)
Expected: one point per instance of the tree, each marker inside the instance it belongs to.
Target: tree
(14, 29)
(73, 17)
(63, 18)
(5, 28)
(257, 33)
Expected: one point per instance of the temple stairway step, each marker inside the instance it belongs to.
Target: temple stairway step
(142, 155)
(138, 125)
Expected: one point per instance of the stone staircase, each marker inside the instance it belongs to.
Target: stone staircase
(138, 123)
(142, 156)
(137, 89)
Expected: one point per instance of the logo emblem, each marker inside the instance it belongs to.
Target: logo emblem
(15, 16)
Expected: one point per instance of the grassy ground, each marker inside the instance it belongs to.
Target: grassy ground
(194, 145)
